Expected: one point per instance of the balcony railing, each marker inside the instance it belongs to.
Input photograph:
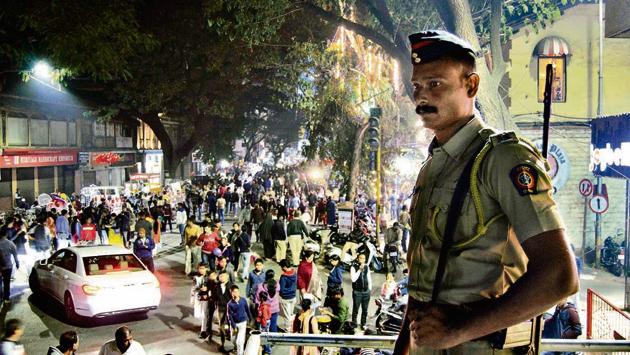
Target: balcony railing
(257, 339)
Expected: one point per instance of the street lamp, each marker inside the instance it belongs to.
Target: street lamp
(42, 70)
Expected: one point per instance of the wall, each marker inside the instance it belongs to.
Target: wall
(579, 28)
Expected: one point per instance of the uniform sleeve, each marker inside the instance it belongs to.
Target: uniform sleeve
(516, 178)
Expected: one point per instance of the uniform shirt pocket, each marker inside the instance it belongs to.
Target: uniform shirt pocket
(439, 204)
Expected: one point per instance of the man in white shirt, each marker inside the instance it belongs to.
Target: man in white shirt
(123, 344)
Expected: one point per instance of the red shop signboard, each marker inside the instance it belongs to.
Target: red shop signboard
(19, 158)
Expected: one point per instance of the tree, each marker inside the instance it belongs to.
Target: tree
(197, 62)
(387, 22)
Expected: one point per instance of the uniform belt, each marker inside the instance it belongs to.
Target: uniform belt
(402, 342)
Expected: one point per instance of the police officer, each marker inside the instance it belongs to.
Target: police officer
(509, 260)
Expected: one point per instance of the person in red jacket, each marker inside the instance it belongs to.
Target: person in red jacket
(305, 271)
(209, 241)
(88, 231)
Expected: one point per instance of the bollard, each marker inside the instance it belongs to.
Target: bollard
(253, 343)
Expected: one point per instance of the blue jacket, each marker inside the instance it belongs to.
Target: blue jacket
(63, 226)
(143, 249)
(336, 277)
(238, 312)
(252, 283)
(288, 285)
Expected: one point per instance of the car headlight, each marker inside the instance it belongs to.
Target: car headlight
(90, 290)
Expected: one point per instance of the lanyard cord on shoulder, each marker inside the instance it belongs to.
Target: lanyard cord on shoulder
(455, 208)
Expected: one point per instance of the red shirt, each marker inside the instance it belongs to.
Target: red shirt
(305, 271)
(88, 232)
(208, 242)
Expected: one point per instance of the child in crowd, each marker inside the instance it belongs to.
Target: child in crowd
(200, 296)
(264, 312)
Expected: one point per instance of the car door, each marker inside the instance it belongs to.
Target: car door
(64, 276)
(55, 271)
(44, 272)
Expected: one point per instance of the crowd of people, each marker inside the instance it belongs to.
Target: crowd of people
(231, 283)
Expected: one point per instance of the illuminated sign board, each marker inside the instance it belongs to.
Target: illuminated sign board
(610, 146)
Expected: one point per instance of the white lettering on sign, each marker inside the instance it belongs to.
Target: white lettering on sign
(605, 157)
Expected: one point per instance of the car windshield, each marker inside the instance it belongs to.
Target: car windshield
(105, 264)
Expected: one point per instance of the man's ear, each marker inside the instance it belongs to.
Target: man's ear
(472, 84)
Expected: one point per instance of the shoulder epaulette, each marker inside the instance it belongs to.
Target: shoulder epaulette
(503, 137)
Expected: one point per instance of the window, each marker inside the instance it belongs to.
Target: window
(58, 133)
(99, 129)
(39, 132)
(111, 128)
(555, 51)
(57, 258)
(558, 84)
(72, 133)
(104, 264)
(17, 131)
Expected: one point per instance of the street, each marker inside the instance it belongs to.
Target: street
(171, 329)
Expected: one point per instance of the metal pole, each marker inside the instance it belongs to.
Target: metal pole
(378, 190)
(600, 81)
(387, 342)
(584, 230)
(598, 225)
(600, 112)
(626, 255)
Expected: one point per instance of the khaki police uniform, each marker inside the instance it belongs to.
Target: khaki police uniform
(513, 187)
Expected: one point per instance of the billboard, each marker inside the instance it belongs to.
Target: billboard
(610, 146)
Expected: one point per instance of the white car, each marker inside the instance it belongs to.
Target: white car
(96, 281)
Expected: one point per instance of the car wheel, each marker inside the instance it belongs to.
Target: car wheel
(68, 305)
(33, 283)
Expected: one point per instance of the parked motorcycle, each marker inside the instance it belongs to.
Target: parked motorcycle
(390, 318)
(612, 257)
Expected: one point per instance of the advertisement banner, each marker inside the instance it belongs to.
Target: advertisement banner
(610, 146)
(25, 159)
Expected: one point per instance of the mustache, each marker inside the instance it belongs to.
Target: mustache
(425, 109)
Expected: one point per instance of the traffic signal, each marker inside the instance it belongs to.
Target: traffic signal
(374, 135)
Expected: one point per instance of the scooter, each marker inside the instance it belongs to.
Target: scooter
(392, 256)
(390, 318)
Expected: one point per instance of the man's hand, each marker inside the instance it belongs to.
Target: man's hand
(436, 328)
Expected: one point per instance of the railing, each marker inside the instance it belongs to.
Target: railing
(604, 320)
(257, 339)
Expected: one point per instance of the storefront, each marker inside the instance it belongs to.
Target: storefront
(106, 168)
(152, 163)
(32, 172)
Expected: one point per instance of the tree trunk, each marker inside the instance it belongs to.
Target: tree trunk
(457, 18)
(356, 162)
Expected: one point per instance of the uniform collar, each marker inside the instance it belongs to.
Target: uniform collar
(456, 146)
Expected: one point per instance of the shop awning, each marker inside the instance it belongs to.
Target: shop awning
(552, 47)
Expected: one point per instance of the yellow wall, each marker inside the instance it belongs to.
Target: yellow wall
(579, 28)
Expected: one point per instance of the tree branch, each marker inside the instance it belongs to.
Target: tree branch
(379, 9)
(359, 29)
(498, 63)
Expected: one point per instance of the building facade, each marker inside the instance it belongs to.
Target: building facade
(571, 45)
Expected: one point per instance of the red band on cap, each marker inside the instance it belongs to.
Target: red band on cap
(420, 44)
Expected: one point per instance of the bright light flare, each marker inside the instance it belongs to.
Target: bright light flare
(42, 70)
(224, 164)
(315, 173)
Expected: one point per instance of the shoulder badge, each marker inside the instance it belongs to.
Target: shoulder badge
(525, 179)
